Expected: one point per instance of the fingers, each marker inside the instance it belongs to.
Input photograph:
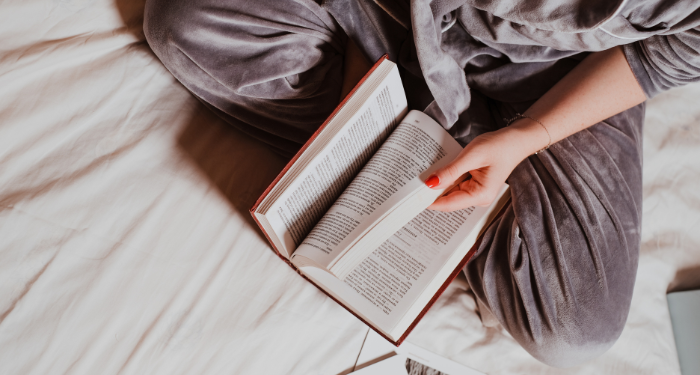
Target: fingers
(447, 175)
(466, 194)
(487, 161)
(456, 200)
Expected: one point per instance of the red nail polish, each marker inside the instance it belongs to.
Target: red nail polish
(432, 181)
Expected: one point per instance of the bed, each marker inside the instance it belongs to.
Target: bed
(126, 245)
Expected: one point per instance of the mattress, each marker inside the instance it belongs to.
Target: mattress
(126, 246)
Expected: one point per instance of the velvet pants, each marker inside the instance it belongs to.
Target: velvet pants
(558, 269)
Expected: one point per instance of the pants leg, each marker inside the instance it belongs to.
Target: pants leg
(271, 68)
(558, 268)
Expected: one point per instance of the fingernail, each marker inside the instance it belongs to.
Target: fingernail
(432, 181)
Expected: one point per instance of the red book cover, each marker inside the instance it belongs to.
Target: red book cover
(444, 286)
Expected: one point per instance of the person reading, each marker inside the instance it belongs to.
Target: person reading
(547, 95)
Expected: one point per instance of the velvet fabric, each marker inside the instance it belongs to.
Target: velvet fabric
(558, 269)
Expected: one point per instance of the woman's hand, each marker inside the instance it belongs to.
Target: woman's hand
(489, 159)
(601, 86)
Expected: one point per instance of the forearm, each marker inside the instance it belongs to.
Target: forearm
(601, 86)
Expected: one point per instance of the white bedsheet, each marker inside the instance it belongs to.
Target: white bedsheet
(126, 245)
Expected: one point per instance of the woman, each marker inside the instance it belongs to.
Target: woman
(547, 94)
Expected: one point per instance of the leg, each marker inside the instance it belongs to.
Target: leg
(272, 69)
(558, 269)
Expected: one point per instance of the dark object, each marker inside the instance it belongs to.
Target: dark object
(685, 317)
(415, 368)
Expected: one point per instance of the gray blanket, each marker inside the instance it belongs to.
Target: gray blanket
(558, 269)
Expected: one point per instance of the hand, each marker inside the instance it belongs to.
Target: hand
(489, 159)
(601, 86)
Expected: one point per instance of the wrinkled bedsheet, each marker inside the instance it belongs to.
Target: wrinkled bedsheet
(126, 245)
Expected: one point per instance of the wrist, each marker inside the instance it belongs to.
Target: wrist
(531, 136)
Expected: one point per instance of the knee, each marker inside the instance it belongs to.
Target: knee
(564, 305)
(567, 346)
(161, 26)
(172, 29)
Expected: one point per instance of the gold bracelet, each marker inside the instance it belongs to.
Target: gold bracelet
(518, 116)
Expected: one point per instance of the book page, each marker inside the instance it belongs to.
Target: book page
(305, 201)
(395, 273)
(390, 178)
(386, 284)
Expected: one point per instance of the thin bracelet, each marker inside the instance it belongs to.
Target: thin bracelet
(518, 116)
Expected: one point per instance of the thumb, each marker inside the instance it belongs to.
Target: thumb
(447, 175)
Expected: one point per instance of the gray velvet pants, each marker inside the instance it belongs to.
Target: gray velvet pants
(558, 269)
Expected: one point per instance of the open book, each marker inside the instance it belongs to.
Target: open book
(349, 210)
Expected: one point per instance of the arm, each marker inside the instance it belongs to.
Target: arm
(601, 86)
